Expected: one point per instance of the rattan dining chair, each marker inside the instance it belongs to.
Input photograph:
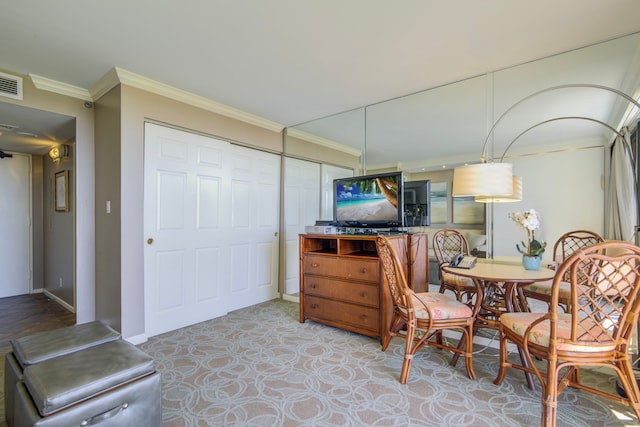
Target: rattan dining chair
(604, 302)
(447, 243)
(564, 247)
(420, 318)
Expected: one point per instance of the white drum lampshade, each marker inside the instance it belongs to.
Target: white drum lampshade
(515, 196)
(483, 179)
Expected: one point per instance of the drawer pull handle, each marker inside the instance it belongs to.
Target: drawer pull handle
(363, 270)
(314, 305)
(315, 265)
(97, 419)
(313, 285)
(363, 316)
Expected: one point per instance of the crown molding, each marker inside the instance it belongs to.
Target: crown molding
(323, 141)
(120, 76)
(105, 84)
(43, 83)
(135, 80)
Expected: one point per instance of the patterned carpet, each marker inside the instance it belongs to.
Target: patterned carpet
(260, 367)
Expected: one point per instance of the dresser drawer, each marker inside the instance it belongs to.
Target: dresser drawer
(355, 292)
(342, 267)
(338, 312)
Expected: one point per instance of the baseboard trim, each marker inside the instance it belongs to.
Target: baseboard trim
(137, 339)
(59, 301)
(291, 298)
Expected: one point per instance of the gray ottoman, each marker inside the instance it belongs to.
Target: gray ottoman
(48, 345)
(113, 384)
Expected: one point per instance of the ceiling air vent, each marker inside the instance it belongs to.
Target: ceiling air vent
(10, 86)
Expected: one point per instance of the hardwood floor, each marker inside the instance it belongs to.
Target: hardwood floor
(27, 314)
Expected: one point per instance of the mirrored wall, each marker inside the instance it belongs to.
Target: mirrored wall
(563, 162)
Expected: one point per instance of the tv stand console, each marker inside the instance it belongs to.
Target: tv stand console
(341, 280)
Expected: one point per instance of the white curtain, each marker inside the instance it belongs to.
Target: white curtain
(621, 210)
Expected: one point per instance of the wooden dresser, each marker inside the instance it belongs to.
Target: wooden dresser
(341, 282)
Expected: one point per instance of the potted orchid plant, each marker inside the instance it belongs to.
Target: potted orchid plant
(533, 249)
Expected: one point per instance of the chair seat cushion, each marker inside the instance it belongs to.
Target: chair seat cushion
(442, 306)
(455, 280)
(545, 288)
(519, 322)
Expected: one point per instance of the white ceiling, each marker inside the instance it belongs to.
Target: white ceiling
(292, 61)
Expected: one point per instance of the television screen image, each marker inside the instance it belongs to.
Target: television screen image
(370, 200)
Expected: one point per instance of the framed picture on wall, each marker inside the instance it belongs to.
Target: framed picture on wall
(467, 211)
(61, 191)
(438, 203)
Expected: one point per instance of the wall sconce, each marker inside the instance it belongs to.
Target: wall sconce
(59, 152)
(488, 182)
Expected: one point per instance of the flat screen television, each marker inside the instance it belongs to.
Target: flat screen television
(372, 201)
(417, 203)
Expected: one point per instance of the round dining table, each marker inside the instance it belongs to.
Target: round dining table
(507, 276)
(498, 283)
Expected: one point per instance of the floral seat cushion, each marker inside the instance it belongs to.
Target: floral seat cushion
(544, 288)
(442, 306)
(454, 279)
(519, 322)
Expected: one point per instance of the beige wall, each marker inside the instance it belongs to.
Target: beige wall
(58, 232)
(78, 245)
(108, 183)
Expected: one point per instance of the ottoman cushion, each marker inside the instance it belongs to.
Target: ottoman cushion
(72, 378)
(49, 344)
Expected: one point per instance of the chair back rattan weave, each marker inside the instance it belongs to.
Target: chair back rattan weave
(605, 293)
(572, 241)
(447, 243)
